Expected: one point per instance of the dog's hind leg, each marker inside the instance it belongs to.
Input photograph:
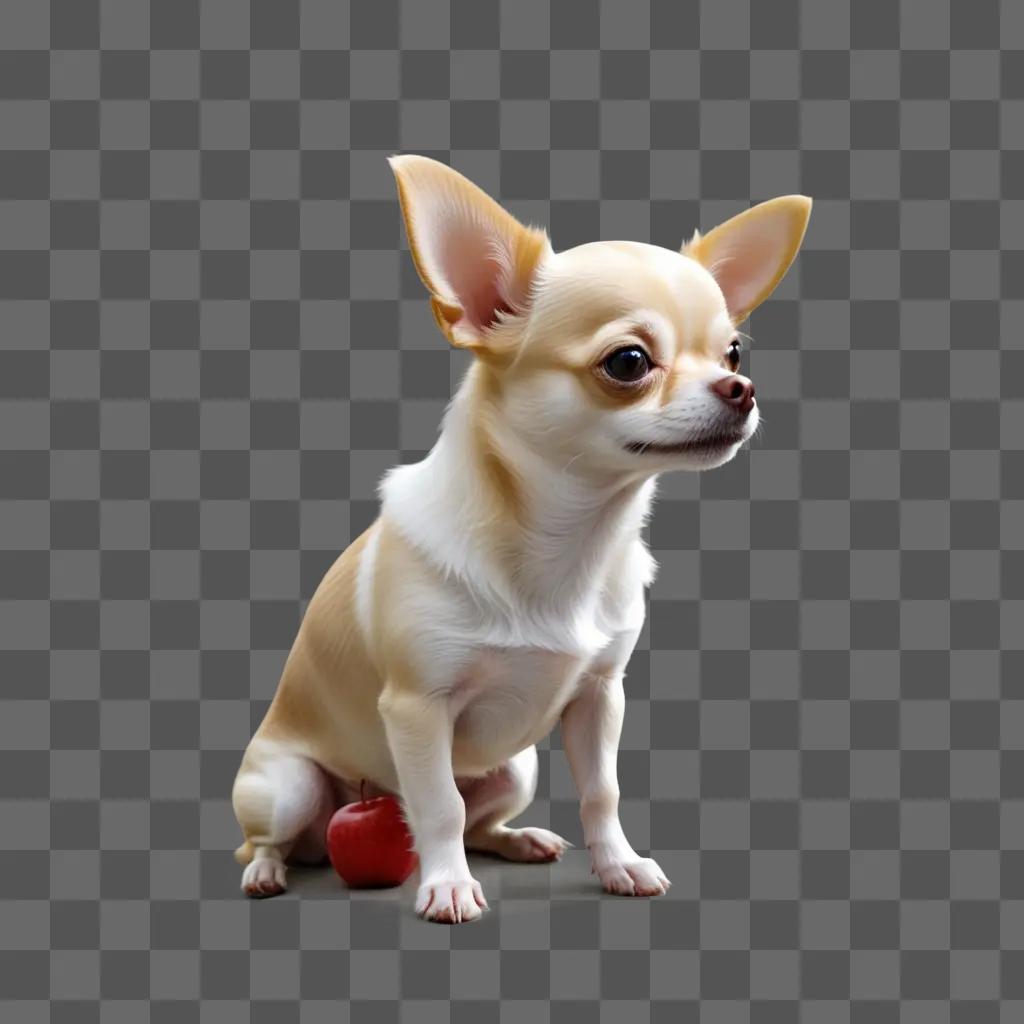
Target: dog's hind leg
(279, 798)
(499, 797)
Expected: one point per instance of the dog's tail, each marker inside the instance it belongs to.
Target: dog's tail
(244, 853)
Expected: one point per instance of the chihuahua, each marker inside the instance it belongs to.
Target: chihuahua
(501, 589)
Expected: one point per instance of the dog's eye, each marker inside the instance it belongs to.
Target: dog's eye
(732, 356)
(628, 365)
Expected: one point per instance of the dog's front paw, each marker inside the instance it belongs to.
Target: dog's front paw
(450, 900)
(640, 877)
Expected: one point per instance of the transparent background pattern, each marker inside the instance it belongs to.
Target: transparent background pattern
(214, 343)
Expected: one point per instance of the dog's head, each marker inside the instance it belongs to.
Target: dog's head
(617, 356)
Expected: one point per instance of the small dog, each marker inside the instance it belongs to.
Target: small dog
(501, 590)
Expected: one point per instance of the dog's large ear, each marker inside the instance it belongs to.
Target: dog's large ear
(750, 253)
(475, 258)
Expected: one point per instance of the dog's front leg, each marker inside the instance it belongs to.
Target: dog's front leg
(419, 732)
(591, 727)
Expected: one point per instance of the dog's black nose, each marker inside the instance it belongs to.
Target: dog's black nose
(736, 391)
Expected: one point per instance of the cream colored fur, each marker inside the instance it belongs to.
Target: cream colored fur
(501, 590)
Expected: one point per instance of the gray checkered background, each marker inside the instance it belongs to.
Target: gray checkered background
(214, 343)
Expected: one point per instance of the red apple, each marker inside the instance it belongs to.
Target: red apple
(370, 845)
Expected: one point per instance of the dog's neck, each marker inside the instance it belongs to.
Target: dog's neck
(512, 522)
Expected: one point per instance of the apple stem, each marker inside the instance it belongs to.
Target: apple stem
(362, 786)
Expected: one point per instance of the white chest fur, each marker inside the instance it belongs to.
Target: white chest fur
(509, 623)
(508, 699)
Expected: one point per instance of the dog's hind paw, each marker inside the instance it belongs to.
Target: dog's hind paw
(264, 877)
(525, 845)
